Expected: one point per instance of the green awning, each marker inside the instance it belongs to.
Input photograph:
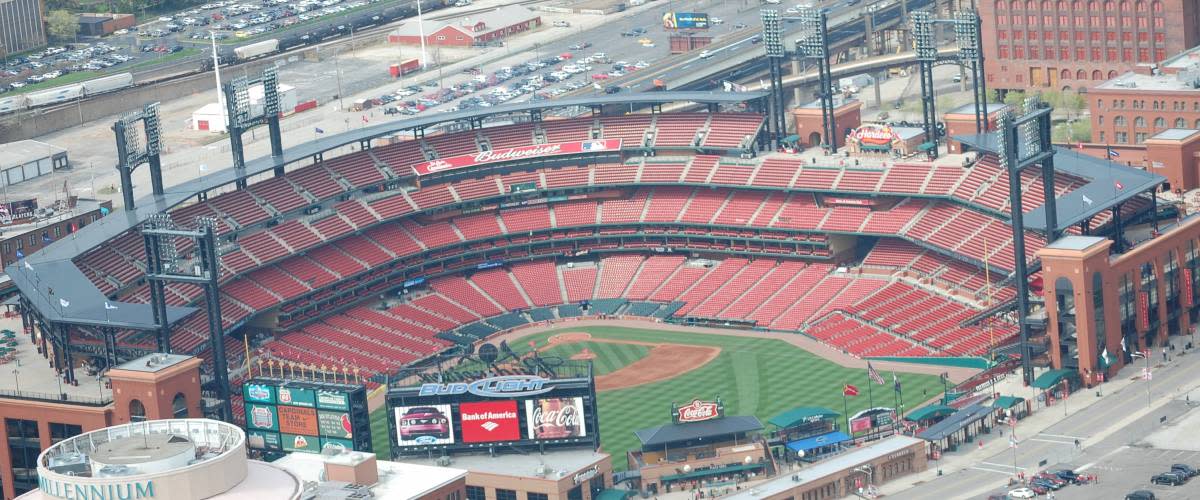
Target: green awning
(1006, 402)
(797, 416)
(711, 472)
(928, 412)
(612, 495)
(792, 138)
(926, 146)
(876, 147)
(1053, 378)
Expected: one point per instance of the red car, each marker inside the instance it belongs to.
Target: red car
(424, 421)
(600, 76)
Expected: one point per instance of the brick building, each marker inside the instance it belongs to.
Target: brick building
(487, 27)
(1138, 104)
(1077, 44)
(152, 387)
(21, 26)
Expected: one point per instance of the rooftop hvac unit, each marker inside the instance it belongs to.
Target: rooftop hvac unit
(443, 461)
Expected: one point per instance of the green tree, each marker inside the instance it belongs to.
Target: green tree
(62, 25)
(1015, 99)
(1074, 103)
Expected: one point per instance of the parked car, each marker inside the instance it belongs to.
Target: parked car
(1022, 493)
(562, 24)
(1045, 483)
(1065, 474)
(422, 421)
(1168, 478)
(1140, 495)
(1184, 469)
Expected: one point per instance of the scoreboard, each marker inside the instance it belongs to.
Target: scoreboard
(304, 416)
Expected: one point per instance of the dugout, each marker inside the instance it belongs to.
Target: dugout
(700, 449)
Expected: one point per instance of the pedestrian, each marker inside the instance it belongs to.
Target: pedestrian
(1164, 351)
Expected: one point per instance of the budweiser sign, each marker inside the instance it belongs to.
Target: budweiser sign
(698, 411)
(517, 153)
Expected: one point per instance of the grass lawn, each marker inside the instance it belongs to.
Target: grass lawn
(609, 357)
(761, 377)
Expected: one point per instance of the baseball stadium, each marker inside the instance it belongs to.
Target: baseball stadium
(654, 234)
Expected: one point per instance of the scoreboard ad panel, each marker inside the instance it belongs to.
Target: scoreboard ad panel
(485, 412)
(303, 416)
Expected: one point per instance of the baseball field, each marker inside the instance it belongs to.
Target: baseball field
(641, 371)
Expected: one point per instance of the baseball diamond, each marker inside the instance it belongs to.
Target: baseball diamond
(756, 375)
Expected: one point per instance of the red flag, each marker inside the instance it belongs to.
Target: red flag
(365, 120)
(849, 390)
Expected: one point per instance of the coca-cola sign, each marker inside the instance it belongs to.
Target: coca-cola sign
(697, 411)
(517, 153)
(555, 418)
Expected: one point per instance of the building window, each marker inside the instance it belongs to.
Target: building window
(1180, 123)
(1118, 121)
(179, 406)
(1139, 122)
(441, 38)
(1101, 136)
(59, 432)
(536, 496)
(23, 448)
(1121, 137)
(1139, 137)
(137, 411)
(505, 494)
(1160, 122)
(475, 493)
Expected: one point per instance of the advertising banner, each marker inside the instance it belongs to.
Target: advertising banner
(555, 418)
(875, 136)
(345, 443)
(1187, 288)
(697, 411)
(306, 444)
(335, 424)
(517, 153)
(1143, 311)
(292, 396)
(685, 20)
(293, 420)
(860, 424)
(489, 422)
(423, 425)
(332, 400)
(261, 417)
(258, 393)
(263, 440)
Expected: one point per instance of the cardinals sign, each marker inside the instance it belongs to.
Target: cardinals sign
(517, 153)
(697, 411)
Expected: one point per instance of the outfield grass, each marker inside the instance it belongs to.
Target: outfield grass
(761, 377)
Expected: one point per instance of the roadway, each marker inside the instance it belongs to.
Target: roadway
(1111, 431)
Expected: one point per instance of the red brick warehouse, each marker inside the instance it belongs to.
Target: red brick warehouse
(1077, 44)
(465, 32)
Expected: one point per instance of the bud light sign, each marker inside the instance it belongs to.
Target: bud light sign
(697, 411)
(507, 386)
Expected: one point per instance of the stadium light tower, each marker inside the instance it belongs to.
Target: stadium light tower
(130, 153)
(1025, 142)
(241, 117)
(201, 267)
(970, 54)
(775, 52)
(926, 51)
(814, 44)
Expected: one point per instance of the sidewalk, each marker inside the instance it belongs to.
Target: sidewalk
(1045, 417)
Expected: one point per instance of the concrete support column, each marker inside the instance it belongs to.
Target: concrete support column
(796, 96)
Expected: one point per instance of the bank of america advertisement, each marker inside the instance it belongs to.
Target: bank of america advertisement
(555, 418)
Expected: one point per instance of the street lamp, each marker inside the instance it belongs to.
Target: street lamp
(1146, 375)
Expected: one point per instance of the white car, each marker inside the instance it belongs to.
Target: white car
(165, 19)
(1022, 493)
(705, 54)
(716, 20)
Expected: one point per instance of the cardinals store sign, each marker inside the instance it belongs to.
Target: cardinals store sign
(697, 411)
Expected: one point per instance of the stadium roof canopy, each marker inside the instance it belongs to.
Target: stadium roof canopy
(803, 414)
(675, 433)
(1111, 183)
(52, 269)
(956, 422)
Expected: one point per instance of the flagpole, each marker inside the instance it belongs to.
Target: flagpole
(846, 408)
(870, 396)
(246, 346)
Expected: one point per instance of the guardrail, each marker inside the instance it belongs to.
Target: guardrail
(55, 398)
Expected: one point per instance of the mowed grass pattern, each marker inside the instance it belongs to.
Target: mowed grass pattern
(609, 357)
(761, 377)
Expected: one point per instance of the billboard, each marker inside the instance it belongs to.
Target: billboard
(424, 425)
(555, 418)
(685, 20)
(469, 411)
(697, 411)
(294, 416)
(517, 153)
(489, 422)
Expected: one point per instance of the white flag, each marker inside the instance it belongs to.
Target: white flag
(1087, 200)
(64, 302)
(27, 266)
(109, 307)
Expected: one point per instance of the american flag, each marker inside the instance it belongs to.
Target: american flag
(874, 375)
